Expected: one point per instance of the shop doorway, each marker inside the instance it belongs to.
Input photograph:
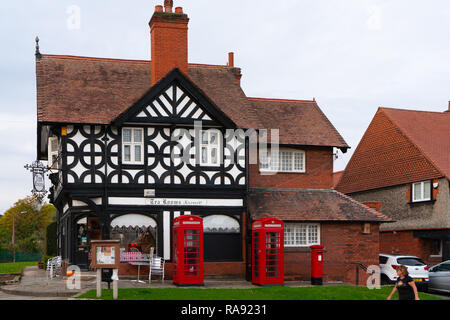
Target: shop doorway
(86, 230)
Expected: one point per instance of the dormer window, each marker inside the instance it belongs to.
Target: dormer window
(132, 146)
(421, 191)
(286, 160)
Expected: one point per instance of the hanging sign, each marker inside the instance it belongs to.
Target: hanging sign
(38, 170)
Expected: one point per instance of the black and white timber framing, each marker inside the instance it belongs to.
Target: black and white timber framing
(93, 181)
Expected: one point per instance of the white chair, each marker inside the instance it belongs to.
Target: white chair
(53, 267)
(156, 267)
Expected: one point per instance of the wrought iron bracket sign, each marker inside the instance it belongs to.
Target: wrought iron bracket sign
(38, 169)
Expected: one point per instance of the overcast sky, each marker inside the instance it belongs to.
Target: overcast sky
(351, 55)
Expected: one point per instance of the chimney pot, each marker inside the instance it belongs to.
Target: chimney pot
(168, 5)
(231, 59)
(159, 8)
(179, 10)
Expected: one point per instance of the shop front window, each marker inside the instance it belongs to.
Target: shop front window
(137, 233)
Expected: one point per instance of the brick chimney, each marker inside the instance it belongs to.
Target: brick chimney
(169, 41)
(448, 110)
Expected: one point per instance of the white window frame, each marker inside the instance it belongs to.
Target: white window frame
(132, 144)
(210, 147)
(291, 240)
(277, 166)
(423, 196)
(52, 152)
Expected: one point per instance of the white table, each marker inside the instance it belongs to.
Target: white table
(139, 264)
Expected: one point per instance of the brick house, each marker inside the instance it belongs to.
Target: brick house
(116, 132)
(402, 167)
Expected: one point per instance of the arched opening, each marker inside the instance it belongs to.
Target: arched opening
(136, 232)
(222, 238)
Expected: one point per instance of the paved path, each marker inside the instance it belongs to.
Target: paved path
(35, 285)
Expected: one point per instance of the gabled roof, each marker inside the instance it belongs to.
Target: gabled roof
(186, 90)
(98, 90)
(399, 147)
(315, 205)
(429, 131)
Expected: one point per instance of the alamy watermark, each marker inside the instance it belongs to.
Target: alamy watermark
(73, 21)
(73, 281)
(373, 281)
(214, 147)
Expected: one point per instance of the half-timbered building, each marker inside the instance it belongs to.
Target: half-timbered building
(134, 144)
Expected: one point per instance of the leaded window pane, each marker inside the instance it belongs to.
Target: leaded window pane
(298, 161)
(214, 155)
(137, 153)
(204, 137)
(137, 136)
(204, 155)
(126, 134)
(127, 153)
(286, 161)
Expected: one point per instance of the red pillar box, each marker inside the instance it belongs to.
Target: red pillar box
(188, 251)
(268, 252)
(317, 265)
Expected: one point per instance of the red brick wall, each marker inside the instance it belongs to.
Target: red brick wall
(169, 45)
(344, 243)
(319, 173)
(403, 242)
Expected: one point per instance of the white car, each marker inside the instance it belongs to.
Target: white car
(417, 269)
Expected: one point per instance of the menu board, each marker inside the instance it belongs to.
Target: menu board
(106, 255)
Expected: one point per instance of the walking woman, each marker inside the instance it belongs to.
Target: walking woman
(405, 286)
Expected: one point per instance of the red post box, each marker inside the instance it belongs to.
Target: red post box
(317, 265)
(188, 251)
(268, 252)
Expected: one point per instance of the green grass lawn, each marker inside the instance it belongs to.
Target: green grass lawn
(15, 267)
(267, 293)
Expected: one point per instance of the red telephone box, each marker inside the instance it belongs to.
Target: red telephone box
(317, 265)
(188, 251)
(268, 252)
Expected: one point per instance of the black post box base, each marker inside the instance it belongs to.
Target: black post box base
(316, 281)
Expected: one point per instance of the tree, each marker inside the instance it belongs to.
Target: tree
(31, 220)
